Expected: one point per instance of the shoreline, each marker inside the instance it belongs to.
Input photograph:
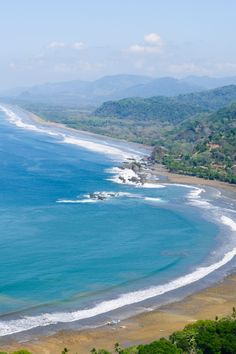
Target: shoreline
(214, 300)
(217, 300)
(146, 326)
(156, 169)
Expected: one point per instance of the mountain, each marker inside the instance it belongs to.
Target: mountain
(210, 82)
(79, 93)
(168, 109)
(165, 86)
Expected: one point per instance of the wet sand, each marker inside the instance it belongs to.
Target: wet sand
(214, 301)
(160, 170)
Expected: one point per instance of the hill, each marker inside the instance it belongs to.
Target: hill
(203, 146)
(168, 109)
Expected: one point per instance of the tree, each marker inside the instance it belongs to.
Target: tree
(162, 346)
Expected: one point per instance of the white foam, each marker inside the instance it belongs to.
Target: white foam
(98, 147)
(195, 199)
(152, 185)
(76, 201)
(124, 176)
(98, 196)
(103, 148)
(229, 222)
(180, 185)
(153, 199)
(128, 176)
(15, 119)
(46, 319)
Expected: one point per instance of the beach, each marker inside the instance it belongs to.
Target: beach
(217, 300)
(207, 304)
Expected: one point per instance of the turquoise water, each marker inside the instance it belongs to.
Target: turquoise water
(64, 257)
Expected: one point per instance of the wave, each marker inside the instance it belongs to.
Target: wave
(99, 196)
(104, 148)
(29, 322)
(152, 185)
(229, 222)
(151, 199)
(75, 201)
(98, 147)
(128, 176)
(194, 198)
(16, 120)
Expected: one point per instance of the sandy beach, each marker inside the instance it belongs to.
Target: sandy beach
(214, 301)
(206, 304)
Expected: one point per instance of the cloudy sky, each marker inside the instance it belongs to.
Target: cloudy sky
(58, 40)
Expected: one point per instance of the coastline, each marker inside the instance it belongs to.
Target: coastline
(217, 300)
(147, 327)
(214, 300)
(156, 169)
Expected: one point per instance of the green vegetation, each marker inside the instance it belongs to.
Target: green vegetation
(192, 134)
(22, 351)
(169, 109)
(202, 337)
(203, 146)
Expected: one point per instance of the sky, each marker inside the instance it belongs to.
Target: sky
(61, 40)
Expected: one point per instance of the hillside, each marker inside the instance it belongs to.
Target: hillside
(204, 146)
(169, 109)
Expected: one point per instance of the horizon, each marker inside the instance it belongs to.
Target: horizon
(59, 42)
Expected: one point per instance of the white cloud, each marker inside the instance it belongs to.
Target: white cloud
(152, 44)
(136, 48)
(56, 44)
(152, 38)
(78, 45)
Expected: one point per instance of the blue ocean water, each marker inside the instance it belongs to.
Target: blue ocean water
(66, 258)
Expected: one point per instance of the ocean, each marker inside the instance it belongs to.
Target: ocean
(68, 258)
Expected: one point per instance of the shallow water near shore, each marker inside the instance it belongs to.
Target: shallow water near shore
(66, 257)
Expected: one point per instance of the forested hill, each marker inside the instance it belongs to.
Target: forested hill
(169, 109)
(193, 134)
(204, 146)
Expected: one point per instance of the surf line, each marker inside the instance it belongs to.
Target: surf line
(46, 319)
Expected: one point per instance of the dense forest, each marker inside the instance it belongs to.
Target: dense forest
(169, 109)
(203, 146)
(191, 134)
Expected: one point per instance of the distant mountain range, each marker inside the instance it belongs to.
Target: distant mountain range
(82, 93)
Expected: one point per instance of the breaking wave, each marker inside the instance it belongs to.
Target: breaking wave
(29, 322)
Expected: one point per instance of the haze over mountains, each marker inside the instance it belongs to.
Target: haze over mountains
(78, 93)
